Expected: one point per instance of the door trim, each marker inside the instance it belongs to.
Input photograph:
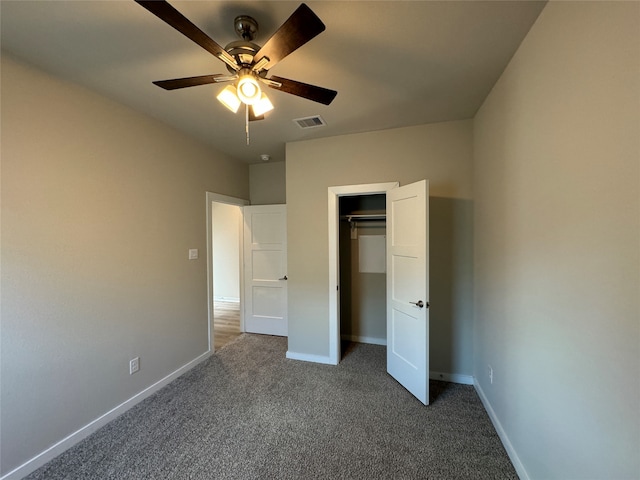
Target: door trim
(334, 259)
(240, 202)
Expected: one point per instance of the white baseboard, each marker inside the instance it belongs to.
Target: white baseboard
(68, 442)
(305, 357)
(447, 377)
(452, 377)
(227, 299)
(513, 456)
(362, 339)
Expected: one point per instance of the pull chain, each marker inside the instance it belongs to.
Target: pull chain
(246, 122)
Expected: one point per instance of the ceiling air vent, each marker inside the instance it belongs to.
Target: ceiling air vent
(310, 122)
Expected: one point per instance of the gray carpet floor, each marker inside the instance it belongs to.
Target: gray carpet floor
(249, 413)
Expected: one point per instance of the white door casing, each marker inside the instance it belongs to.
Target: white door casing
(334, 194)
(265, 269)
(408, 287)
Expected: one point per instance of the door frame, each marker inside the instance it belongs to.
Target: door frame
(240, 202)
(334, 193)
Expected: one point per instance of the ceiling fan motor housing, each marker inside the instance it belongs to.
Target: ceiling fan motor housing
(243, 51)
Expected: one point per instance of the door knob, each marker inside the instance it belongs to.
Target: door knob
(283, 278)
(419, 303)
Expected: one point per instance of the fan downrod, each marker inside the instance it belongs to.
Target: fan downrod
(246, 27)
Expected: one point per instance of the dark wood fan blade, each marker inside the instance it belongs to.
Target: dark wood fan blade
(176, 83)
(304, 90)
(299, 28)
(165, 12)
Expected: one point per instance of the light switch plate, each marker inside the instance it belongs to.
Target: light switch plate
(193, 253)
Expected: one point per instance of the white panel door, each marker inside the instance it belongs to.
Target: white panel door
(408, 287)
(265, 269)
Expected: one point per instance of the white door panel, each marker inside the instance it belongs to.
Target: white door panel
(266, 227)
(267, 264)
(265, 254)
(407, 287)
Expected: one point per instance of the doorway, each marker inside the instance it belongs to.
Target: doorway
(362, 258)
(224, 272)
(335, 196)
(227, 221)
(407, 278)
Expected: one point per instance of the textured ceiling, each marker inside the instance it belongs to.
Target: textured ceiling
(394, 64)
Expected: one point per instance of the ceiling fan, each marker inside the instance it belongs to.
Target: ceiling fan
(248, 63)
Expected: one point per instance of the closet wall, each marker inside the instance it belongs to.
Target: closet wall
(362, 270)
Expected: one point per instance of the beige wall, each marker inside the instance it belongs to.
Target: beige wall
(438, 152)
(267, 183)
(557, 260)
(99, 208)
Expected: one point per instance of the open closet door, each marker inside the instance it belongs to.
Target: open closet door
(265, 269)
(408, 287)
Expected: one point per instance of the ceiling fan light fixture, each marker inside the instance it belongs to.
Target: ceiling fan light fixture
(229, 98)
(247, 62)
(249, 91)
(262, 106)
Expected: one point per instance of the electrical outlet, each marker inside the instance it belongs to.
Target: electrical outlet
(490, 371)
(134, 365)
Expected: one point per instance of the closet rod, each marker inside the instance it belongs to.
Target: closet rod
(351, 218)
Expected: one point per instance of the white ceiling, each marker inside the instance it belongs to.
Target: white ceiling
(393, 63)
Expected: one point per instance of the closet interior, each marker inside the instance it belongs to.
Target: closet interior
(363, 279)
